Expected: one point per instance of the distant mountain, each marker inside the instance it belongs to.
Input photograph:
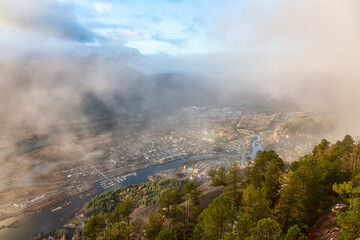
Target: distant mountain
(53, 88)
(125, 54)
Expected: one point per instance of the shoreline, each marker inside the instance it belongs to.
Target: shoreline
(46, 204)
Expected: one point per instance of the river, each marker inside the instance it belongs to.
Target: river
(47, 220)
(256, 146)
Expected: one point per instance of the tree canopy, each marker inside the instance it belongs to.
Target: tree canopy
(271, 201)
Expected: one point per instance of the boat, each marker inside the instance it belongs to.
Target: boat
(55, 209)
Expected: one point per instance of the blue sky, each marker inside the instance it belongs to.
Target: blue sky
(178, 27)
(175, 27)
(155, 26)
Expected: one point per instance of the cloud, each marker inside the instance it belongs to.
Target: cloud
(102, 8)
(281, 48)
(302, 49)
(175, 41)
(131, 34)
(48, 18)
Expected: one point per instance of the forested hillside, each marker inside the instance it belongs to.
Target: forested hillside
(271, 200)
(142, 194)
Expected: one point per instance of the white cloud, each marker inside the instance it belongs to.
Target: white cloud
(101, 7)
(46, 18)
(131, 34)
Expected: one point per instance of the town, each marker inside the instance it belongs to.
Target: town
(213, 136)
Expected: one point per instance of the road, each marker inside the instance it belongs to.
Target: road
(242, 145)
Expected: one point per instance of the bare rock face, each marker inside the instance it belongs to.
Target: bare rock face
(210, 192)
(326, 226)
(139, 217)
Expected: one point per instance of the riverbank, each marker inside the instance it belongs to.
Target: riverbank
(49, 220)
(52, 220)
(62, 195)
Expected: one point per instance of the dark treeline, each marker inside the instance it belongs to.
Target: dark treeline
(268, 200)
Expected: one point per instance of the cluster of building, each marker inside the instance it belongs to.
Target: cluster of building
(215, 112)
(192, 138)
(185, 140)
(92, 155)
(218, 135)
(194, 169)
(83, 171)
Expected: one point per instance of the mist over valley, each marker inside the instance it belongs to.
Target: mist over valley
(96, 96)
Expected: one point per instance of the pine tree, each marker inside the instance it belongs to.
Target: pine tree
(155, 226)
(244, 224)
(94, 227)
(349, 221)
(233, 188)
(217, 220)
(254, 202)
(266, 229)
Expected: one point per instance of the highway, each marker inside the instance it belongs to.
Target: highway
(242, 145)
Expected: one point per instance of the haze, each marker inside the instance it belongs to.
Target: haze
(56, 55)
(92, 91)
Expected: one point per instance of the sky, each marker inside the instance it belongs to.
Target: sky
(303, 50)
(174, 27)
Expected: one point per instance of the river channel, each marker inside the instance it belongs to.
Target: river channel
(48, 220)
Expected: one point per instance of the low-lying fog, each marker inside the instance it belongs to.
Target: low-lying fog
(300, 53)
